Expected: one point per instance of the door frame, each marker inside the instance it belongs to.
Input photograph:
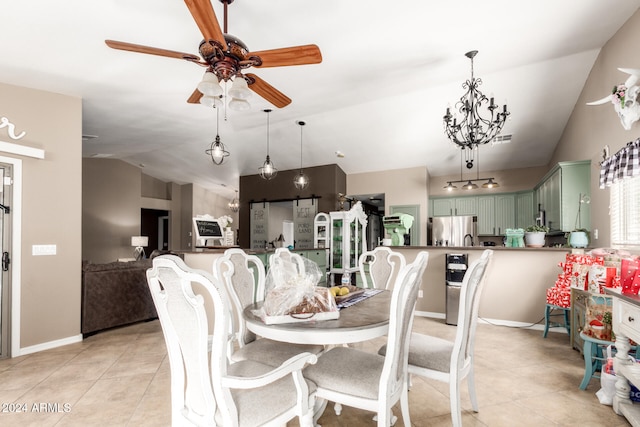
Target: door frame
(15, 251)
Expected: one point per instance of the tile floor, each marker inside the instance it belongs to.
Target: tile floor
(121, 378)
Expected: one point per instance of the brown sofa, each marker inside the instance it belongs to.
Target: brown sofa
(115, 294)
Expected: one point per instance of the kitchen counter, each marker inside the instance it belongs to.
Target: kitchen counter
(516, 283)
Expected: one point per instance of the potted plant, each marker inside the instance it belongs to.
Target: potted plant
(579, 237)
(534, 235)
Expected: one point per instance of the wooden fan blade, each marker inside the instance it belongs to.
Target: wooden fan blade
(296, 55)
(150, 50)
(268, 92)
(195, 97)
(205, 17)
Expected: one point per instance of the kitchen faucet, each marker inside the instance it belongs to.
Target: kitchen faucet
(470, 239)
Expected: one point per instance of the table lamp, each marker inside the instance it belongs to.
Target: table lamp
(139, 242)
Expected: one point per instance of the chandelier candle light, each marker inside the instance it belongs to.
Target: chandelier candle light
(268, 171)
(301, 181)
(466, 127)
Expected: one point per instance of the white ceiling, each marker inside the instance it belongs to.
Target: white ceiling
(389, 70)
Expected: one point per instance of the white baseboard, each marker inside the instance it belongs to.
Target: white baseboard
(49, 345)
(496, 322)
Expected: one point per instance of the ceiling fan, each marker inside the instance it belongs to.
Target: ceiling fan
(226, 56)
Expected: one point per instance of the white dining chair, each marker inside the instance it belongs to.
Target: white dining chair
(244, 277)
(367, 380)
(205, 389)
(447, 361)
(379, 266)
(284, 258)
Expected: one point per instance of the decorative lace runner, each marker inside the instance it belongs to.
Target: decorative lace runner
(366, 294)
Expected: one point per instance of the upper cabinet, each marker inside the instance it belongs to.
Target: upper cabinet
(558, 194)
(454, 206)
(525, 209)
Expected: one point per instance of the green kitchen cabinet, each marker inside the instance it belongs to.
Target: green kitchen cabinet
(486, 215)
(525, 209)
(495, 214)
(559, 195)
(446, 206)
(505, 213)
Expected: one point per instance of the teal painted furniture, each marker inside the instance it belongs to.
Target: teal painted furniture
(595, 356)
(552, 311)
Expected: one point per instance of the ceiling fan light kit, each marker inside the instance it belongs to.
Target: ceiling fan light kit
(226, 56)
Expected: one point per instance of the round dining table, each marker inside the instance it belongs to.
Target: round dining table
(365, 320)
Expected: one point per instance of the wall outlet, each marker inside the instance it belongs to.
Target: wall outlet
(43, 250)
(595, 233)
(420, 294)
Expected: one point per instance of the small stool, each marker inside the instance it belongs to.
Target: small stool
(548, 314)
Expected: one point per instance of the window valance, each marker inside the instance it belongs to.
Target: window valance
(624, 164)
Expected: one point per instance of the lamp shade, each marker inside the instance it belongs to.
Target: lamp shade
(137, 241)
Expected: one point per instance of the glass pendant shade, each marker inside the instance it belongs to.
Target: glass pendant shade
(211, 101)
(237, 104)
(217, 151)
(301, 181)
(210, 86)
(268, 171)
(239, 88)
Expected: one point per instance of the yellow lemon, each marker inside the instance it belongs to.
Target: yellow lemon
(343, 291)
(334, 290)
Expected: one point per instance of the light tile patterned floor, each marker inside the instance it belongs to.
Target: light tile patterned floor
(121, 378)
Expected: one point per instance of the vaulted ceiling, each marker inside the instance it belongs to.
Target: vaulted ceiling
(388, 72)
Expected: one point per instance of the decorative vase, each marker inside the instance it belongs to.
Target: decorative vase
(534, 239)
(228, 237)
(578, 239)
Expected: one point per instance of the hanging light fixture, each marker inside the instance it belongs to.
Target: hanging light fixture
(268, 171)
(301, 180)
(217, 150)
(234, 204)
(470, 128)
(470, 184)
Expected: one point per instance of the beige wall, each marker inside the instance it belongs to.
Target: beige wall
(111, 193)
(590, 128)
(50, 212)
(400, 187)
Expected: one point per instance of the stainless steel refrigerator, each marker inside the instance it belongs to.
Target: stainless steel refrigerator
(453, 231)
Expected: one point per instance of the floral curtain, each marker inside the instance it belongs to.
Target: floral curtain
(624, 164)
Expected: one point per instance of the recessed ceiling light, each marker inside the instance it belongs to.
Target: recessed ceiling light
(88, 137)
(339, 154)
(100, 156)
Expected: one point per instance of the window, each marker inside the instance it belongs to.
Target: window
(624, 211)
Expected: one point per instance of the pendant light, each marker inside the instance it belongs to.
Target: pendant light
(234, 204)
(268, 171)
(301, 180)
(217, 150)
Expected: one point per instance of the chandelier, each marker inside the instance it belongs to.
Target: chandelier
(467, 127)
(301, 180)
(268, 170)
(234, 204)
(470, 184)
(217, 150)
